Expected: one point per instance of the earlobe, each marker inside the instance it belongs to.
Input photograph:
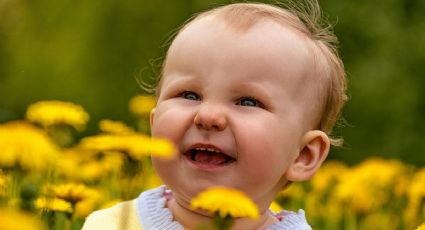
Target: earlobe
(151, 116)
(314, 150)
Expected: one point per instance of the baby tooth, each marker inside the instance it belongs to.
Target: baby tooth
(207, 149)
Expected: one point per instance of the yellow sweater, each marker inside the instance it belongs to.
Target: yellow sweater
(122, 216)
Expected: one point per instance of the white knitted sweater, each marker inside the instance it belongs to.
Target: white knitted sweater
(148, 212)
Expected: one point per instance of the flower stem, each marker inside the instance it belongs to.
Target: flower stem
(222, 223)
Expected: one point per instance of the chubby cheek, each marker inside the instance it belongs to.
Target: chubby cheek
(170, 122)
(267, 155)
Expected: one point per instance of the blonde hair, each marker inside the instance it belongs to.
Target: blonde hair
(304, 17)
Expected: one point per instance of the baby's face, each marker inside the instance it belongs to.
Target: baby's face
(236, 105)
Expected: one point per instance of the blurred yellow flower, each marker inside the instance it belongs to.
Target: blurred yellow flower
(48, 113)
(161, 148)
(85, 165)
(225, 202)
(293, 191)
(70, 163)
(328, 176)
(3, 184)
(415, 196)
(378, 220)
(85, 207)
(136, 145)
(92, 170)
(72, 193)
(12, 219)
(77, 199)
(367, 186)
(141, 105)
(319, 200)
(114, 127)
(417, 187)
(421, 227)
(152, 180)
(53, 204)
(275, 207)
(25, 146)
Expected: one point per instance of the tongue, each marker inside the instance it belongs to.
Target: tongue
(210, 157)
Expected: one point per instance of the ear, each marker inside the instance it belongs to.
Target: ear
(314, 150)
(151, 117)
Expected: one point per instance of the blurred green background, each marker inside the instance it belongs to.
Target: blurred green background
(90, 52)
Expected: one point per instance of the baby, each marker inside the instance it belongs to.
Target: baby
(249, 94)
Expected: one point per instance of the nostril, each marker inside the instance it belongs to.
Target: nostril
(210, 121)
(209, 127)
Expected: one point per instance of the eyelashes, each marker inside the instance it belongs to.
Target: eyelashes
(247, 101)
(189, 95)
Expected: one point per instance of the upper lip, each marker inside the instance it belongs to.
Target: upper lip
(208, 147)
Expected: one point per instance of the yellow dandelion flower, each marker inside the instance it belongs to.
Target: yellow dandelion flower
(84, 208)
(114, 127)
(141, 105)
(365, 187)
(3, 184)
(161, 148)
(417, 187)
(415, 196)
(53, 204)
(225, 202)
(275, 207)
(84, 165)
(48, 113)
(112, 162)
(328, 175)
(421, 227)
(69, 163)
(12, 219)
(378, 220)
(91, 170)
(152, 180)
(136, 145)
(23, 145)
(294, 191)
(71, 192)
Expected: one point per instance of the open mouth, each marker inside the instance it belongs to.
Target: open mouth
(209, 156)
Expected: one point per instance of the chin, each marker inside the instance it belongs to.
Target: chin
(190, 190)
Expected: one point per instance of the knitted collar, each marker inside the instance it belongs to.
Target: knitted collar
(154, 215)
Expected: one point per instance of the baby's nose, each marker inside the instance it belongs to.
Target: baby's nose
(210, 117)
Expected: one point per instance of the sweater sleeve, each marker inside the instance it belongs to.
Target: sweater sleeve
(122, 216)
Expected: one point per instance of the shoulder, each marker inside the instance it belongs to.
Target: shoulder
(121, 216)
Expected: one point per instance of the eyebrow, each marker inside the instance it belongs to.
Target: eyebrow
(178, 80)
(256, 88)
(181, 78)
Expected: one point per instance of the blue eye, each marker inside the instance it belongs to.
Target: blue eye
(190, 96)
(248, 101)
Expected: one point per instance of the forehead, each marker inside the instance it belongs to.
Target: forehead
(268, 45)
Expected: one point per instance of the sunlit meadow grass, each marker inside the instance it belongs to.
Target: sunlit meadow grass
(49, 180)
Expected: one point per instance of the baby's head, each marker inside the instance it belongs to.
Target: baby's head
(249, 94)
(328, 76)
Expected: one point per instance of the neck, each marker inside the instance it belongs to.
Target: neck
(191, 219)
